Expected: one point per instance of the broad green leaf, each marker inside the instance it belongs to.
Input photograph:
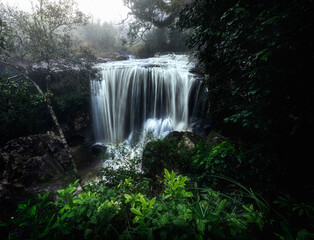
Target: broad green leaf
(172, 176)
(167, 174)
(136, 211)
(22, 206)
(152, 202)
(39, 197)
(136, 219)
(45, 196)
(168, 196)
(128, 198)
(32, 211)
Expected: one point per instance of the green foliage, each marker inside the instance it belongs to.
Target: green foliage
(257, 56)
(166, 153)
(160, 40)
(24, 113)
(42, 39)
(141, 206)
(149, 13)
(85, 214)
(296, 208)
(44, 36)
(298, 222)
(175, 187)
(217, 160)
(71, 94)
(38, 217)
(302, 234)
(125, 212)
(179, 215)
(21, 113)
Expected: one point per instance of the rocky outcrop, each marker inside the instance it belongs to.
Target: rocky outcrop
(33, 159)
(25, 164)
(188, 139)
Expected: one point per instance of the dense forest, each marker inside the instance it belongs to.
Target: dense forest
(248, 177)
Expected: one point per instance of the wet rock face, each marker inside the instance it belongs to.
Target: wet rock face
(33, 159)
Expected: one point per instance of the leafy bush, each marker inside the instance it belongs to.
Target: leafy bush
(166, 153)
(216, 160)
(125, 212)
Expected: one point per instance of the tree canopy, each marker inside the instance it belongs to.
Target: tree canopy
(149, 13)
(257, 57)
(100, 36)
(45, 35)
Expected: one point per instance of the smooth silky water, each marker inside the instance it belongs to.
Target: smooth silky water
(136, 98)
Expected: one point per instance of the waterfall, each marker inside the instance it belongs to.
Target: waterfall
(159, 94)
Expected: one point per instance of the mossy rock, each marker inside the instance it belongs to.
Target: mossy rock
(174, 153)
(214, 138)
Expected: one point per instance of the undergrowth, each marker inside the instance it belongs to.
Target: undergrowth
(208, 202)
(131, 211)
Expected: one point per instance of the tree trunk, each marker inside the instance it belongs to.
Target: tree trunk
(57, 125)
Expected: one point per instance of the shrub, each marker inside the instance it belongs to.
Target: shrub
(166, 153)
(126, 212)
(212, 160)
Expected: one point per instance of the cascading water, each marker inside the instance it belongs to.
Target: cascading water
(158, 94)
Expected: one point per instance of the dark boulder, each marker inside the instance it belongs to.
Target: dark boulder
(98, 148)
(33, 159)
(27, 163)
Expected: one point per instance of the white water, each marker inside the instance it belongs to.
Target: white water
(152, 94)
